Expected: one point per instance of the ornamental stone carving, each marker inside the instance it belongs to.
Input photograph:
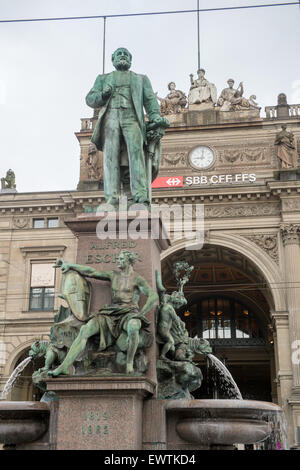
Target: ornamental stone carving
(258, 154)
(291, 205)
(246, 210)
(20, 222)
(290, 233)
(268, 242)
(174, 160)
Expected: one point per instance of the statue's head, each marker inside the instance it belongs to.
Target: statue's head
(38, 349)
(201, 72)
(230, 82)
(121, 59)
(126, 258)
(283, 127)
(171, 86)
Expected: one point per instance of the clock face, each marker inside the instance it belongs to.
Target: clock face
(201, 157)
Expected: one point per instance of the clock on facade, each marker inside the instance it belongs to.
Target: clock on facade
(201, 157)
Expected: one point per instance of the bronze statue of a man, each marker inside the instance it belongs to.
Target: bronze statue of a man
(119, 323)
(121, 131)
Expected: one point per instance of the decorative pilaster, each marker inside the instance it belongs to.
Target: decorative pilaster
(290, 238)
(284, 372)
(284, 376)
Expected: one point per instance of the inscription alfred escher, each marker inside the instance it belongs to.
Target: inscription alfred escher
(102, 257)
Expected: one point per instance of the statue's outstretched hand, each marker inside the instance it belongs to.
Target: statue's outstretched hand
(60, 263)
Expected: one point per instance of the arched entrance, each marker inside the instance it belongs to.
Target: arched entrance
(229, 304)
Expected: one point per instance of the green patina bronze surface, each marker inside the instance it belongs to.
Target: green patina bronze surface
(177, 374)
(131, 147)
(114, 339)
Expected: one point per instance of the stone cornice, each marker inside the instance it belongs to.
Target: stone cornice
(74, 202)
(29, 250)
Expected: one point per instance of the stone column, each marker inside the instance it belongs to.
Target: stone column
(290, 237)
(284, 374)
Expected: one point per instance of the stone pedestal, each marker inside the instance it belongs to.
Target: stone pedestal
(245, 115)
(8, 191)
(99, 413)
(201, 106)
(105, 411)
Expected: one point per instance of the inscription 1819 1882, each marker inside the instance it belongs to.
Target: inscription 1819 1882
(95, 423)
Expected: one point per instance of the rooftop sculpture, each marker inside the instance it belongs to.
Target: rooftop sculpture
(174, 102)
(285, 148)
(201, 90)
(232, 99)
(9, 181)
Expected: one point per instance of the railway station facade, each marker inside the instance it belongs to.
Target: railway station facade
(244, 291)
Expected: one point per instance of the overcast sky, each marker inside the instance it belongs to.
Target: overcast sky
(47, 68)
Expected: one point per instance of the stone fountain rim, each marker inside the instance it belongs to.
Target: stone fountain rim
(24, 406)
(213, 404)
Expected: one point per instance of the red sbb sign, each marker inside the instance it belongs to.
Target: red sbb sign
(168, 182)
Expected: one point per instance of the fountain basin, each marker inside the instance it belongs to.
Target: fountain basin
(23, 421)
(223, 432)
(210, 423)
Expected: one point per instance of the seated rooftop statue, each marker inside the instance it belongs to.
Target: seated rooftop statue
(201, 90)
(232, 99)
(174, 102)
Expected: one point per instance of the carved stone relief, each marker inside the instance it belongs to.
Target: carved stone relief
(268, 242)
(245, 210)
(247, 156)
(291, 205)
(20, 222)
(178, 160)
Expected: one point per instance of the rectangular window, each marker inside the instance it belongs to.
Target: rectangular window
(41, 298)
(52, 223)
(42, 286)
(224, 328)
(38, 223)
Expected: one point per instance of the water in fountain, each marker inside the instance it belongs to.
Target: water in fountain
(278, 439)
(226, 377)
(10, 382)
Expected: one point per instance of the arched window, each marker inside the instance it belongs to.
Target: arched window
(223, 320)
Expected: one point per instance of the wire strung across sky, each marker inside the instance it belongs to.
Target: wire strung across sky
(122, 15)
